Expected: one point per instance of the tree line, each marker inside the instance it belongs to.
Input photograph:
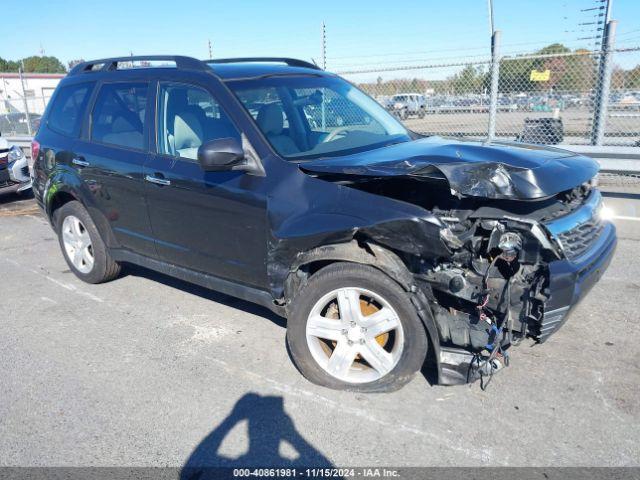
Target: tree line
(33, 64)
(569, 71)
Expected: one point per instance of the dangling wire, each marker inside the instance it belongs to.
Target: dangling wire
(502, 334)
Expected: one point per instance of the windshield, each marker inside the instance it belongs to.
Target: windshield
(306, 117)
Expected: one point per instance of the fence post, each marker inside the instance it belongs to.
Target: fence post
(495, 75)
(603, 86)
(26, 104)
(324, 67)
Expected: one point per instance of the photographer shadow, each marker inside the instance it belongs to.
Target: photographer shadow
(268, 427)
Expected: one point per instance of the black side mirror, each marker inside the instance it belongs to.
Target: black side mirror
(221, 154)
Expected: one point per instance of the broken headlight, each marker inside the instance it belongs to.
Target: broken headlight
(450, 239)
(15, 153)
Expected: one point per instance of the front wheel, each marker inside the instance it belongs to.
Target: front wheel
(351, 327)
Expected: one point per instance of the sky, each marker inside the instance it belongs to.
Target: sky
(361, 34)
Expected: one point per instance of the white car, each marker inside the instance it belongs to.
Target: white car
(14, 168)
(404, 104)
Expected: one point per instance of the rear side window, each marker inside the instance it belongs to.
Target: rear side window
(118, 116)
(68, 107)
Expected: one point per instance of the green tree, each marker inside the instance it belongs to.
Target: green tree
(469, 80)
(73, 63)
(38, 64)
(8, 65)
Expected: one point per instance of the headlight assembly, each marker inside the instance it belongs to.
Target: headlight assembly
(15, 153)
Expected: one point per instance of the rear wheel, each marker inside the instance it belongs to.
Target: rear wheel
(353, 328)
(82, 247)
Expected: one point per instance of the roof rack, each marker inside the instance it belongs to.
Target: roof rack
(292, 62)
(111, 64)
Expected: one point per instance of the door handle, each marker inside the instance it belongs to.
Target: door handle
(156, 180)
(79, 161)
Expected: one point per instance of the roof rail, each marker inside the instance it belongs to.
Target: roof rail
(292, 62)
(110, 64)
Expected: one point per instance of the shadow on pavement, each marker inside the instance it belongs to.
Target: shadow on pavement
(205, 293)
(428, 370)
(268, 427)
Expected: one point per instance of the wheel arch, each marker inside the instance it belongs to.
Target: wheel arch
(366, 253)
(60, 192)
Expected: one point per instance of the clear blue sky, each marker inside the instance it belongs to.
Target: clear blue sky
(400, 31)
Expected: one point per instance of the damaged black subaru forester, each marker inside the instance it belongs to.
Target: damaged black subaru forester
(279, 183)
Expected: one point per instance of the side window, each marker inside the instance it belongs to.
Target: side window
(119, 114)
(68, 107)
(189, 116)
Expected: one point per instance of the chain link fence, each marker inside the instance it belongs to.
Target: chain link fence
(20, 115)
(548, 99)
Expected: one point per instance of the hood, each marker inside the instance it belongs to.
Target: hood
(474, 169)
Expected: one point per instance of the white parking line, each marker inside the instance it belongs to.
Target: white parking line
(66, 286)
(622, 217)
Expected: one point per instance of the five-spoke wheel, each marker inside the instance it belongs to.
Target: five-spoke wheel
(355, 335)
(353, 327)
(77, 244)
(83, 248)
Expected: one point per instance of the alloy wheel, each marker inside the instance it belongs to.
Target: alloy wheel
(77, 244)
(355, 335)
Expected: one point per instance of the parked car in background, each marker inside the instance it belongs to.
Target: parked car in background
(377, 244)
(404, 105)
(14, 168)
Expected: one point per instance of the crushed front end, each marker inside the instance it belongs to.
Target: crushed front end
(513, 276)
(523, 231)
(14, 169)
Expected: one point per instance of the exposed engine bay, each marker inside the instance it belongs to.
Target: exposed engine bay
(490, 293)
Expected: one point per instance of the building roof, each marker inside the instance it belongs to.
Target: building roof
(31, 75)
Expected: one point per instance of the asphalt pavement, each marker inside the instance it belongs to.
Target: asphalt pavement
(151, 371)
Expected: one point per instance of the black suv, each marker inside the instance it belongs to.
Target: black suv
(377, 244)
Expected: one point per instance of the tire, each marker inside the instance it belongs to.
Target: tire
(404, 114)
(103, 268)
(406, 345)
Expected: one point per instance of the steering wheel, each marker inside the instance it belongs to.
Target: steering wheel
(335, 133)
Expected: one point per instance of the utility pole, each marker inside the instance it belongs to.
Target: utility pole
(24, 98)
(324, 47)
(604, 84)
(490, 7)
(210, 51)
(495, 74)
(495, 77)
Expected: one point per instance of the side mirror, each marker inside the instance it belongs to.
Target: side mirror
(221, 154)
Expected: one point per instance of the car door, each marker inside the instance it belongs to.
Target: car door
(212, 222)
(110, 160)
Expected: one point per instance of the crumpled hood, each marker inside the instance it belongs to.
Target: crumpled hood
(475, 169)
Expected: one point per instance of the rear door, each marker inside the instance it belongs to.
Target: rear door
(212, 222)
(60, 131)
(110, 160)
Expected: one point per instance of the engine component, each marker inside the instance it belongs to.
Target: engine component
(510, 243)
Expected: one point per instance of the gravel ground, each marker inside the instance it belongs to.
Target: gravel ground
(151, 371)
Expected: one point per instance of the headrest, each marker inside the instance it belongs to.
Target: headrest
(271, 119)
(187, 131)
